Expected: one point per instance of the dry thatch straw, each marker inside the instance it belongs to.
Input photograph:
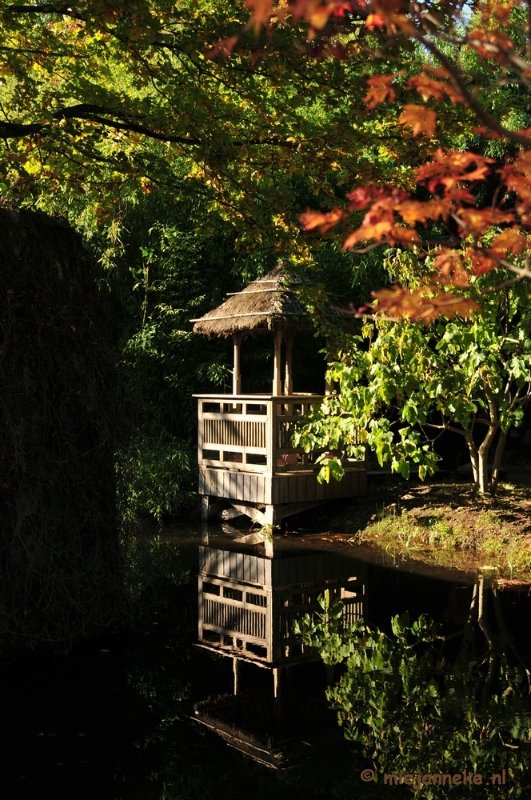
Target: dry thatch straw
(269, 303)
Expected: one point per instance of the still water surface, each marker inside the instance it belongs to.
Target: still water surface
(121, 717)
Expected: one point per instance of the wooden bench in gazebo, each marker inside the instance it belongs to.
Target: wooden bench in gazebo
(245, 453)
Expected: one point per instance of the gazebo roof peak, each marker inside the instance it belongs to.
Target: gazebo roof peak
(268, 303)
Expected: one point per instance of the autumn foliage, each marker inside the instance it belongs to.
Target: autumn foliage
(449, 185)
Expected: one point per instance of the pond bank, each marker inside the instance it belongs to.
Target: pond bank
(446, 524)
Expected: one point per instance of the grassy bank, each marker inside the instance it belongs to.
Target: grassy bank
(446, 524)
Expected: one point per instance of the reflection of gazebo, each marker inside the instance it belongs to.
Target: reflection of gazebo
(247, 606)
(248, 603)
(279, 734)
(245, 452)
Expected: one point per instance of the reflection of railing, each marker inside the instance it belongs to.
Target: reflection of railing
(252, 433)
(247, 603)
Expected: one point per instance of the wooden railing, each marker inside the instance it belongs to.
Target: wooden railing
(252, 433)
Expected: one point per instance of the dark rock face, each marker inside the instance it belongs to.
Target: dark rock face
(59, 558)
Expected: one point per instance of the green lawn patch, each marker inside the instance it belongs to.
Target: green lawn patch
(446, 524)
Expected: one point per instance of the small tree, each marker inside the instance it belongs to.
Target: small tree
(401, 384)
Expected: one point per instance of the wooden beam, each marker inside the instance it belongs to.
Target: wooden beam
(250, 511)
(288, 373)
(230, 513)
(236, 371)
(277, 383)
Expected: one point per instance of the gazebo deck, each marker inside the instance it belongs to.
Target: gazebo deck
(246, 457)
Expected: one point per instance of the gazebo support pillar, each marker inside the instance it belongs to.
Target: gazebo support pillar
(236, 371)
(277, 382)
(236, 675)
(288, 374)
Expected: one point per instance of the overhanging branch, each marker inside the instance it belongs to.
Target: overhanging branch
(44, 8)
(468, 97)
(445, 428)
(93, 113)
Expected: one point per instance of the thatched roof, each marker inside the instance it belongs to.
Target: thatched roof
(269, 303)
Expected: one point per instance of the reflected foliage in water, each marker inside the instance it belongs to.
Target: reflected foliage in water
(155, 566)
(418, 701)
(115, 716)
(168, 757)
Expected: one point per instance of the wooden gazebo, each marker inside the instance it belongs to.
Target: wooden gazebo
(245, 453)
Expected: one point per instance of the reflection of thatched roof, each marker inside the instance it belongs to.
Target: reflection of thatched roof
(269, 303)
(299, 730)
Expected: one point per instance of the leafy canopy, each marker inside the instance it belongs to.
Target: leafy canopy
(400, 384)
(103, 101)
(479, 62)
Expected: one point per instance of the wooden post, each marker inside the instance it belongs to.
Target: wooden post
(288, 374)
(272, 515)
(270, 437)
(200, 609)
(277, 383)
(277, 671)
(277, 702)
(236, 372)
(205, 507)
(236, 674)
(200, 431)
(205, 531)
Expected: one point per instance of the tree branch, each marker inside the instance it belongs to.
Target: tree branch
(45, 8)
(445, 428)
(522, 272)
(92, 113)
(469, 98)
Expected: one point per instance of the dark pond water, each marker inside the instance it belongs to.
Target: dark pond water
(147, 713)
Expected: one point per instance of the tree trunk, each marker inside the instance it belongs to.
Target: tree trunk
(484, 483)
(500, 447)
(472, 449)
(483, 472)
